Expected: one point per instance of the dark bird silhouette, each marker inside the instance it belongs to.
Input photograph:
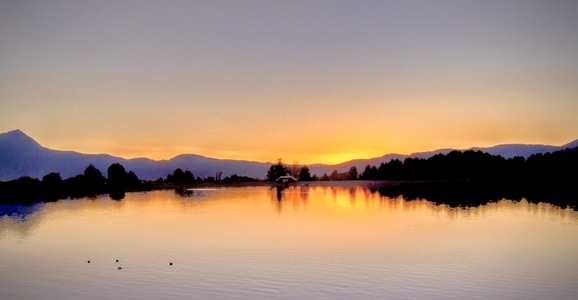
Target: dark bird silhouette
(170, 264)
(88, 261)
(117, 260)
(120, 268)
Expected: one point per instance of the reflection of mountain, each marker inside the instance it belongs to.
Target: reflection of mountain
(21, 155)
(20, 211)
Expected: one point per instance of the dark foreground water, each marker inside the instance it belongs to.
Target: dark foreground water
(324, 242)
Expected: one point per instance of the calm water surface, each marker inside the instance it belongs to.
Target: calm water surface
(317, 242)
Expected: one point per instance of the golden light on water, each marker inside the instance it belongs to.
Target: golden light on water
(325, 234)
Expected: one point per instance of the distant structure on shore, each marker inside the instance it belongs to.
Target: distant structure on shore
(286, 179)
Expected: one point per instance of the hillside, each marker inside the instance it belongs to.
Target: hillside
(21, 155)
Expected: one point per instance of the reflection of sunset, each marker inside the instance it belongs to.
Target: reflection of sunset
(346, 233)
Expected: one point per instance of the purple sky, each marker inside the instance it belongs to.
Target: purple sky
(308, 81)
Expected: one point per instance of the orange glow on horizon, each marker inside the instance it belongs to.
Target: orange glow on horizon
(325, 146)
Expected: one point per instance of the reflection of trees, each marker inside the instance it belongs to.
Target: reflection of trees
(463, 203)
(473, 193)
(23, 219)
(304, 193)
(334, 190)
(435, 196)
(297, 196)
(117, 195)
(352, 191)
(183, 192)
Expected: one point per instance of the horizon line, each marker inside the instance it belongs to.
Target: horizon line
(269, 162)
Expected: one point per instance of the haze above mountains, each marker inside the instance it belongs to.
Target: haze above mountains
(20, 155)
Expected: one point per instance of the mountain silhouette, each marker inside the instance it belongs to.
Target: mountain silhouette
(20, 155)
(506, 151)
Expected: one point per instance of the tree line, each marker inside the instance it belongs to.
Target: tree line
(467, 165)
(180, 177)
(92, 182)
(472, 165)
(279, 169)
(473, 178)
(553, 169)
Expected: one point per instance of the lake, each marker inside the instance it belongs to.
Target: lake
(323, 241)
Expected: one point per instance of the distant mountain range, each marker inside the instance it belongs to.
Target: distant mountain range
(505, 150)
(20, 155)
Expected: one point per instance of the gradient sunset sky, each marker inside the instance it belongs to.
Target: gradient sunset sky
(306, 81)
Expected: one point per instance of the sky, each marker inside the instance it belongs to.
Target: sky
(306, 81)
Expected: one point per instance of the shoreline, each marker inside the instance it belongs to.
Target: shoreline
(445, 192)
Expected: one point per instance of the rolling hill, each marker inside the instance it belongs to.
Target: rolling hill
(20, 155)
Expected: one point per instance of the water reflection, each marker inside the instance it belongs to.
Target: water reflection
(300, 242)
(372, 197)
(473, 194)
(20, 211)
(298, 196)
(117, 195)
(184, 192)
(19, 218)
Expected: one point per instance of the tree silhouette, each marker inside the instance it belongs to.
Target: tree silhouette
(179, 175)
(117, 177)
(53, 186)
(132, 180)
(334, 175)
(304, 174)
(352, 173)
(294, 170)
(277, 170)
(188, 177)
(370, 173)
(93, 181)
(24, 189)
